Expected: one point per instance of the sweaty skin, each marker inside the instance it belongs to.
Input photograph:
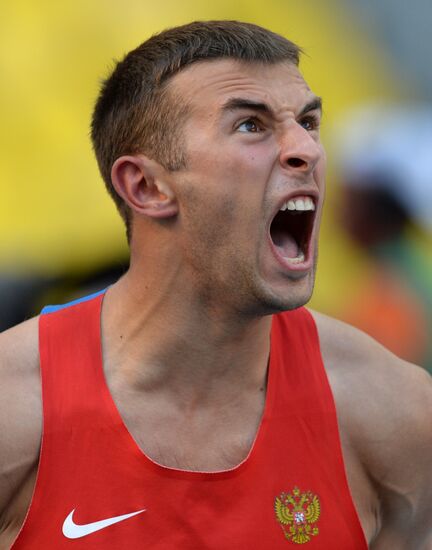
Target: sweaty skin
(186, 331)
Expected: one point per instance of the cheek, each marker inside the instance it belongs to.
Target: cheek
(223, 189)
(227, 161)
(320, 172)
(208, 215)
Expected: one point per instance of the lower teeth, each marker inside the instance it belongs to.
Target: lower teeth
(298, 259)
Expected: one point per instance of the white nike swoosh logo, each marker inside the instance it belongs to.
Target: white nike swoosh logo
(71, 530)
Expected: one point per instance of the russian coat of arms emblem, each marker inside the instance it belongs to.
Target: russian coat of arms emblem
(298, 514)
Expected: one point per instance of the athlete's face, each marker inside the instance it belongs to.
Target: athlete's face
(252, 148)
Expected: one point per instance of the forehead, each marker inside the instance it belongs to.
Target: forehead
(206, 85)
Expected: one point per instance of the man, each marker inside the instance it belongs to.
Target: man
(185, 410)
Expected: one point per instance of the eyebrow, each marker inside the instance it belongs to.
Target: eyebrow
(313, 105)
(237, 103)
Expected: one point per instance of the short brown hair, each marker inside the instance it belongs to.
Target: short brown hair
(133, 107)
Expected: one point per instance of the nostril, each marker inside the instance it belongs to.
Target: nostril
(296, 162)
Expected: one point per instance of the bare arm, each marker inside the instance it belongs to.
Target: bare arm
(385, 411)
(20, 425)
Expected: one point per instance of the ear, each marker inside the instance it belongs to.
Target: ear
(142, 184)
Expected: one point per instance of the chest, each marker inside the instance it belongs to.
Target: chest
(210, 438)
(284, 491)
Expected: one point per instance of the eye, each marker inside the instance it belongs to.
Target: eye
(310, 123)
(249, 126)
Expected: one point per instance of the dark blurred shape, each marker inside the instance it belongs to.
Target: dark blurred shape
(18, 294)
(374, 204)
(22, 297)
(386, 209)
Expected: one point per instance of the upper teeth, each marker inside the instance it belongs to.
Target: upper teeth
(300, 203)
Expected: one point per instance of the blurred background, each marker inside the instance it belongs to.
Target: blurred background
(60, 234)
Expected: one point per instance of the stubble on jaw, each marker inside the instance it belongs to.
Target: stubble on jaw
(209, 249)
(226, 274)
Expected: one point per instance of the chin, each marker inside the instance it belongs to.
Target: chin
(278, 287)
(291, 296)
(293, 301)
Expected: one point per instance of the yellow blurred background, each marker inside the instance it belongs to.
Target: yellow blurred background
(54, 212)
(55, 216)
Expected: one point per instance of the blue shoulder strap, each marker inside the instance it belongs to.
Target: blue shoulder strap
(52, 309)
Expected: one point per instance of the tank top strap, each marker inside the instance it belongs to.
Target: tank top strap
(71, 363)
(297, 360)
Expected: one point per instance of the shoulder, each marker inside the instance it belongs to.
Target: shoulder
(358, 364)
(385, 407)
(19, 354)
(20, 343)
(20, 407)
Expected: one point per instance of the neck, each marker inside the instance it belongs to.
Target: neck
(158, 333)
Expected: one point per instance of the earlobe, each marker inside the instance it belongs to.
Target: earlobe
(139, 182)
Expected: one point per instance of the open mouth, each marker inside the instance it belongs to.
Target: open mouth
(291, 229)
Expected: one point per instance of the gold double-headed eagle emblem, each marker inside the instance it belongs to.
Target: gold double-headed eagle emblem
(298, 513)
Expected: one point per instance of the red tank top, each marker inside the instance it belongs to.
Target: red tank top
(96, 489)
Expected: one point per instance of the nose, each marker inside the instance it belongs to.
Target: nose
(300, 151)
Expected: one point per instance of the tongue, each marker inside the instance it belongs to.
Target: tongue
(286, 244)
